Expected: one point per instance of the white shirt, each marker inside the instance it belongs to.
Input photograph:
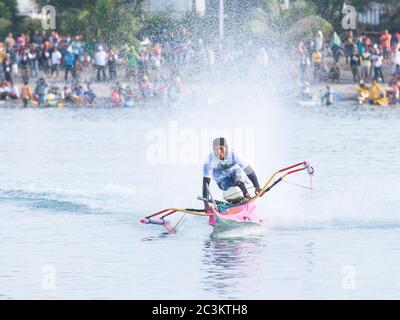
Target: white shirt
(378, 61)
(13, 90)
(101, 58)
(396, 58)
(56, 57)
(219, 169)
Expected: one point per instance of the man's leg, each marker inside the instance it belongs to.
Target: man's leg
(98, 73)
(103, 69)
(226, 183)
(239, 178)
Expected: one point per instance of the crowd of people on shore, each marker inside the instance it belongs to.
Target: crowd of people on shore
(57, 68)
(365, 58)
(50, 69)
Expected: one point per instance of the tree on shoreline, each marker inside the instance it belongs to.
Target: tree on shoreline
(112, 21)
(8, 14)
(299, 21)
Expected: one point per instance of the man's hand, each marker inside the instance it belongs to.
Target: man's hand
(207, 207)
(259, 192)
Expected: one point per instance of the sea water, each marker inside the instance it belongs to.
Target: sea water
(74, 184)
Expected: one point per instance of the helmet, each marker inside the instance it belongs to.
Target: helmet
(219, 142)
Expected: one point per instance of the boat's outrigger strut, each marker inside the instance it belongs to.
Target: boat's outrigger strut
(284, 173)
(222, 207)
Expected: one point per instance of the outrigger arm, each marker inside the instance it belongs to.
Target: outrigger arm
(155, 219)
(285, 172)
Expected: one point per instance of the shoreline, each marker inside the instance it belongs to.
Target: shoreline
(346, 89)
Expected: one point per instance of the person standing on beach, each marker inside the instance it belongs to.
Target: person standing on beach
(55, 62)
(336, 47)
(86, 64)
(317, 60)
(377, 60)
(16, 58)
(396, 58)
(101, 62)
(69, 63)
(26, 94)
(33, 56)
(304, 60)
(25, 65)
(385, 40)
(112, 64)
(45, 60)
(7, 67)
(348, 46)
(366, 65)
(355, 62)
(319, 41)
(10, 41)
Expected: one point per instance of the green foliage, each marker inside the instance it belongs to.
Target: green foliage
(271, 21)
(306, 28)
(8, 15)
(27, 24)
(157, 23)
(73, 22)
(113, 21)
(8, 9)
(300, 10)
(4, 25)
(66, 5)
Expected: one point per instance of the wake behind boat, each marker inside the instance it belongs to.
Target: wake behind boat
(236, 212)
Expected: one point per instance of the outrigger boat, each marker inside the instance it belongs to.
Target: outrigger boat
(235, 211)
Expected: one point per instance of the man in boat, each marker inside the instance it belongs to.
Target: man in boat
(228, 170)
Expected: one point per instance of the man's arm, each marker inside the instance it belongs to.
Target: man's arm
(248, 171)
(207, 170)
(206, 183)
(253, 178)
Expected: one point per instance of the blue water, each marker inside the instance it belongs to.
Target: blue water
(74, 184)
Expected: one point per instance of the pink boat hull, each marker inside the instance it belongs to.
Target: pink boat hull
(243, 213)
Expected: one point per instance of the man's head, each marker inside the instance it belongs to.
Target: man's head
(220, 148)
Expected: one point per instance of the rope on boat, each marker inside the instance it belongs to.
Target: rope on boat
(298, 185)
(180, 220)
